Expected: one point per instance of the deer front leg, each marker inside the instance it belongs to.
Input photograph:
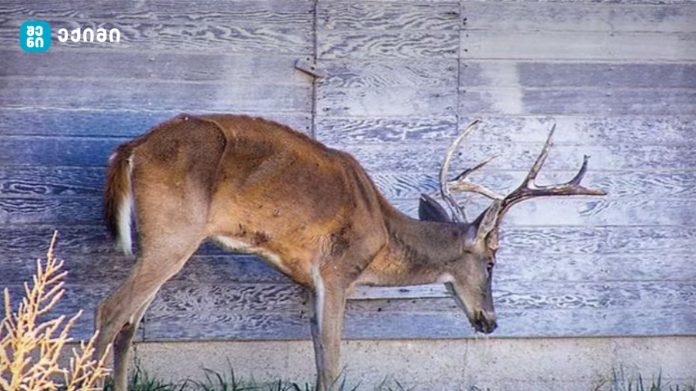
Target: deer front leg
(328, 305)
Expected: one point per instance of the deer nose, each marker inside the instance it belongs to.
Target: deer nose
(485, 322)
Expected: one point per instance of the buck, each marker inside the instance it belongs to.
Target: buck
(312, 212)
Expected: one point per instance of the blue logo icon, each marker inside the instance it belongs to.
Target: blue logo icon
(35, 36)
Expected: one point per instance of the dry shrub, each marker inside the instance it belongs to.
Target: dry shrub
(32, 342)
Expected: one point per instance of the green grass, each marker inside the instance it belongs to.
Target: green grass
(216, 381)
(620, 381)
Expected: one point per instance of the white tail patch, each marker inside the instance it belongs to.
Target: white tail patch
(124, 242)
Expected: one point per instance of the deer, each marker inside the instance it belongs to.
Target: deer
(255, 186)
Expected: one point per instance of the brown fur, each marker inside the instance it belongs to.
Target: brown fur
(312, 211)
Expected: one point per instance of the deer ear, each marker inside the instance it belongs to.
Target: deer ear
(430, 210)
(488, 222)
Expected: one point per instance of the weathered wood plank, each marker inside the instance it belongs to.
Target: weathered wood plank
(265, 12)
(206, 318)
(605, 76)
(31, 241)
(628, 184)
(231, 36)
(26, 181)
(76, 297)
(585, 101)
(392, 101)
(426, 157)
(30, 181)
(576, 130)
(371, 44)
(360, 16)
(386, 73)
(192, 300)
(151, 95)
(116, 123)
(601, 254)
(152, 66)
(566, 211)
(57, 151)
(58, 211)
(581, 46)
(579, 16)
(584, 211)
(439, 325)
(397, 325)
(515, 265)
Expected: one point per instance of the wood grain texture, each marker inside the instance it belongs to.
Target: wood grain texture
(371, 44)
(566, 211)
(564, 253)
(578, 16)
(584, 211)
(361, 16)
(31, 181)
(57, 151)
(581, 46)
(515, 266)
(230, 35)
(76, 297)
(418, 325)
(392, 101)
(152, 95)
(386, 73)
(621, 184)
(122, 123)
(266, 12)
(426, 157)
(577, 130)
(583, 101)
(153, 66)
(194, 299)
(186, 315)
(605, 76)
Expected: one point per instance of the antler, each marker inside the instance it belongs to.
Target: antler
(460, 182)
(491, 217)
(529, 189)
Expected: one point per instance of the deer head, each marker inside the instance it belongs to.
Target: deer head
(470, 280)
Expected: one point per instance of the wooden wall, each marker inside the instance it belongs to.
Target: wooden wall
(618, 79)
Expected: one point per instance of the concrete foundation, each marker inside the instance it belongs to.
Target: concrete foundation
(495, 364)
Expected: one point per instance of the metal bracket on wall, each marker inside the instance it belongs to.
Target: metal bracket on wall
(308, 66)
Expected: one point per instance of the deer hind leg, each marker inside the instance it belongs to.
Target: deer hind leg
(328, 304)
(121, 348)
(169, 234)
(118, 315)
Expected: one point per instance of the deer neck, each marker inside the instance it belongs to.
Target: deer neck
(417, 252)
(424, 242)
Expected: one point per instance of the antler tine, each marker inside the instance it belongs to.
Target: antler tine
(445, 192)
(541, 159)
(462, 184)
(529, 189)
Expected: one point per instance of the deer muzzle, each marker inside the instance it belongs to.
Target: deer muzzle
(484, 322)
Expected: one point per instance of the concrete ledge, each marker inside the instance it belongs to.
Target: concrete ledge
(498, 364)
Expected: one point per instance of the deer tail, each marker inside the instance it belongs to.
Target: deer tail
(118, 198)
